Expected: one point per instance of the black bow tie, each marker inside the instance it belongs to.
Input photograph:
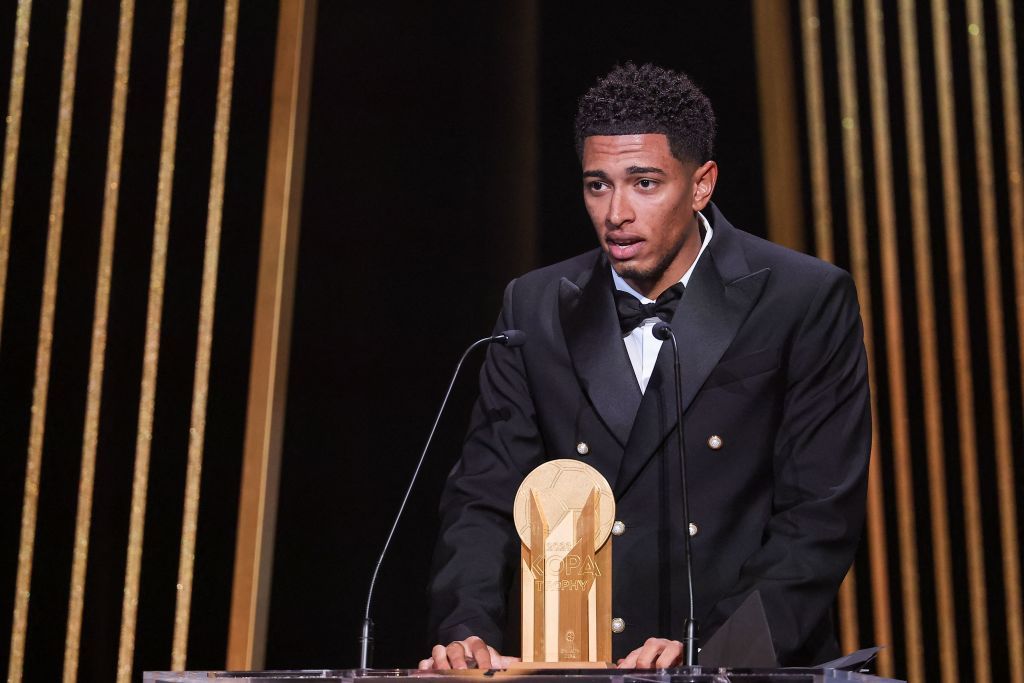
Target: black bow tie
(632, 313)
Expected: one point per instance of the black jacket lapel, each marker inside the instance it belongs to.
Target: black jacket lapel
(594, 340)
(719, 296)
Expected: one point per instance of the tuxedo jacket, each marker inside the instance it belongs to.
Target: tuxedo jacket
(776, 430)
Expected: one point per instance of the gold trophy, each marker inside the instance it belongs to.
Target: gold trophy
(564, 511)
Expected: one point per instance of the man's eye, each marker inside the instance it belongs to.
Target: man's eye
(595, 186)
(646, 184)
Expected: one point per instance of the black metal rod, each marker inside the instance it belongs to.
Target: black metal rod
(690, 627)
(366, 636)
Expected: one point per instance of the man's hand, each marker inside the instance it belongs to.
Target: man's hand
(471, 653)
(656, 653)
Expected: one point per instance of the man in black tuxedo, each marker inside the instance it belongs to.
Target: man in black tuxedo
(777, 421)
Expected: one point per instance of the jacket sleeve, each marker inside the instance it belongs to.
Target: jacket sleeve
(820, 466)
(477, 552)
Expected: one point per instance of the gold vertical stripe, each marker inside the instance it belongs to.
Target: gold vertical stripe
(1014, 164)
(115, 145)
(779, 139)
(899, 418)
(268, 375)
(161, 225)
(1011, 118)
(859, 266)
(849, 625)
(200, 383)
(43, 350)
(810, 24)
(931, 390)
(12, 137)
(961, 340)
(991, 273)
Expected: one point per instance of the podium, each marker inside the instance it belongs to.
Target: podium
(686, 674)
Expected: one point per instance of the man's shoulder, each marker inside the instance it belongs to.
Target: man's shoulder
(760, 250)
(576, 270)
(787, 265)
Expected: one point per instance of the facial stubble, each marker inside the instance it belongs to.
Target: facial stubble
(649, 276)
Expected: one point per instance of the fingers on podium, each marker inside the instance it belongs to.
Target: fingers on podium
(462, 654)
(479, 652)
(655, 653)
(470, 653)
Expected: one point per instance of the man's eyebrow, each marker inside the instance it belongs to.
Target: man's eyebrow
(642, 170)
(596, 174)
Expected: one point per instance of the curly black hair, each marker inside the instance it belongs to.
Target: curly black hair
(633, 100)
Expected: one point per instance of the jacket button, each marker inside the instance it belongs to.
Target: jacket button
(582, 448)
(694, 529)
(618, 528)
(618, 625)
(715, 442)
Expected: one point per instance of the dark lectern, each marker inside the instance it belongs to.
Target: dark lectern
(693, 674)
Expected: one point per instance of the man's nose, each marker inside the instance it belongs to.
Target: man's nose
(619, 209)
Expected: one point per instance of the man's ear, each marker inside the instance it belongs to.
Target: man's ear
(704, 178)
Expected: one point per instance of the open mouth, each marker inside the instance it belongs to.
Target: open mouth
(622, 248)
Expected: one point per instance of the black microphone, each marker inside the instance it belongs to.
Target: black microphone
(511, 338)
(662, 330)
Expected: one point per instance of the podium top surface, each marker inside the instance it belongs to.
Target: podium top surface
(679, 675)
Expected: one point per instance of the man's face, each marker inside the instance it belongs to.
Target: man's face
(643, 203)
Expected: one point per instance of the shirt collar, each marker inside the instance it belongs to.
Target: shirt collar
(623, 286)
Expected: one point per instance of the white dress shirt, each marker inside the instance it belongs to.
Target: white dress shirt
(642, 346)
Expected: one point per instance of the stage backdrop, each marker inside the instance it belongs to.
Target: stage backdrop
(242, 245)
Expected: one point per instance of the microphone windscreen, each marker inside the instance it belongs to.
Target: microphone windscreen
(662, 330)
(512, 338)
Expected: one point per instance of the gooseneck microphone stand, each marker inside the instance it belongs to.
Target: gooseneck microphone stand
(663, 331)
(511, 338)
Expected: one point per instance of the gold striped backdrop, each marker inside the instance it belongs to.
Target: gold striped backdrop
(26, 543)
(149, 159)
(910, 112)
